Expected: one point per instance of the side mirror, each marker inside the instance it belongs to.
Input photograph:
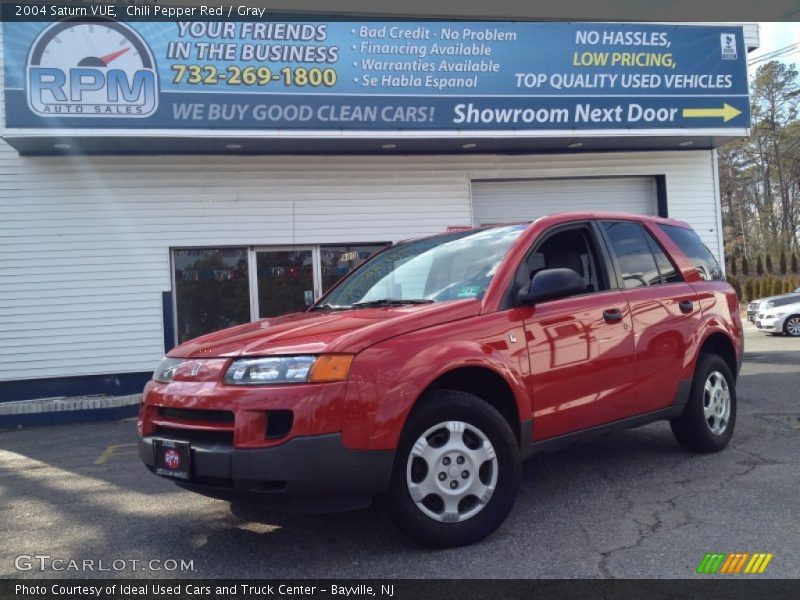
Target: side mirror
(552, 284)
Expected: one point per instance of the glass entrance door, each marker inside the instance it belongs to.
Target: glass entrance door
(285, 280)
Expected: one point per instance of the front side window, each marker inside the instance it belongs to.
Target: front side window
(695, 250)
(637, 265)
(447, 267)
(569, 249)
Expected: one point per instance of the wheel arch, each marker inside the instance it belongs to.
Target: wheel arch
(723, 346)
(490, 386)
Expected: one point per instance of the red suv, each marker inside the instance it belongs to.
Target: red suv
(436, 366)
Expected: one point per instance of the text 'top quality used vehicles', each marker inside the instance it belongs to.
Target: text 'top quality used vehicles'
(435, 367)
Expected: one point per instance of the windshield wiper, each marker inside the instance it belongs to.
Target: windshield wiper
(328, 306)
(391, 302)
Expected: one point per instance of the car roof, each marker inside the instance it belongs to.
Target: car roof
(614, 216)
(777, 297)
(565, 217)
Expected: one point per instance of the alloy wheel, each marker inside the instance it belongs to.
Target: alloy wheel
(793, 326)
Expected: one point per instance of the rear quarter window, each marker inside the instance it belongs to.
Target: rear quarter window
(695, 250)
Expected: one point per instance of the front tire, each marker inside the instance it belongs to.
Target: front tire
(707, 423)
(456, 473)
(791, 326)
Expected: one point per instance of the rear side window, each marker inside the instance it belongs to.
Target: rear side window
(689, 243)
(669, 274)
(633, 253)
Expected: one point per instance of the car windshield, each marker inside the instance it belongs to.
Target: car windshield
(447, 267)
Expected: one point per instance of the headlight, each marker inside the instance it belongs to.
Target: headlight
(189, 369)
(165, 371)
(289, 369)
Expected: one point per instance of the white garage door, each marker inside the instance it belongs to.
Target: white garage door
(524, 200)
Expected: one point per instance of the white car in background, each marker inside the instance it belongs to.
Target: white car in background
(753, 307)
(780, 315)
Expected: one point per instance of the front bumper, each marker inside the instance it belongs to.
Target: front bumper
(767, 325)
(303, 466)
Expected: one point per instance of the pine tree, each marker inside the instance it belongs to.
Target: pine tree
(770, 270)
(777, 287)
(782, 262)
(759, 266)
(750, 289)
(745, 266)
(794, 263)
(732, 265)
(737, 287)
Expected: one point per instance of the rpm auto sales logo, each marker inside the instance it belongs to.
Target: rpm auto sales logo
(91, 68)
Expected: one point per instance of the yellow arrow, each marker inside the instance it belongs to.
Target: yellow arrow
(727, 112)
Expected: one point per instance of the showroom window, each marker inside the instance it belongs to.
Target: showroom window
(217, 288)
(285, 280)
(211, 290)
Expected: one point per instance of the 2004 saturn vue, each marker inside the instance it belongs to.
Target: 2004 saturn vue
(435, 367)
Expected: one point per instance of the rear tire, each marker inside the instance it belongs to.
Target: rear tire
(707, 423)
(460, 460)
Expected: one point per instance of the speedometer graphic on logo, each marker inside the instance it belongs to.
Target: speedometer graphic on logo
(91, 68)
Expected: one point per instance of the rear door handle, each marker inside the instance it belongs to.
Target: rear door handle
(686, 306)
(612, 315)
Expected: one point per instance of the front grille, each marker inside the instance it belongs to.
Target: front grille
(193, 414)
(194, 435)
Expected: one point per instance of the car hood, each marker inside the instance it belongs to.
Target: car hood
(783, 309)
(324, 332)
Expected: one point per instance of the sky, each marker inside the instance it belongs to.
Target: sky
(774, 36)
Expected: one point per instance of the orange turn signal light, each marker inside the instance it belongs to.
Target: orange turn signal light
(330, 367)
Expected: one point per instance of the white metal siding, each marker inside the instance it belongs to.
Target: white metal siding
(528, 199)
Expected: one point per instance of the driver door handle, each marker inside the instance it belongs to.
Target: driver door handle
(612, 315)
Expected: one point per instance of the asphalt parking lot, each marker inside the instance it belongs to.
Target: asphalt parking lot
(630, 505)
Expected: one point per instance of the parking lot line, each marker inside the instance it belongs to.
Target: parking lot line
(115, 450)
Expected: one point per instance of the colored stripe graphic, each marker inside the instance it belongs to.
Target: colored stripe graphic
(733, 563)
(741, 562)
(711, 563)
(729, 562)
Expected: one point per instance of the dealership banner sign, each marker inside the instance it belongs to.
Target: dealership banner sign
(81, 72)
